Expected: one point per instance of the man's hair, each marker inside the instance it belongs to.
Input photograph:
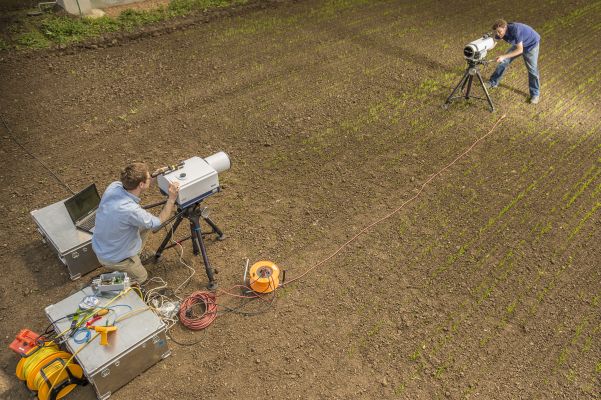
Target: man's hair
(500, 23)
(133, 174)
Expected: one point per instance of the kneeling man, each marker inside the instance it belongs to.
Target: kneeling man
(123, 226)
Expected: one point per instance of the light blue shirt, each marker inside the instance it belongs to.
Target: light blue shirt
(119, 220)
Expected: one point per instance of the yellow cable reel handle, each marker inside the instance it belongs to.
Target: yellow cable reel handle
(33, 373)
(264, 276)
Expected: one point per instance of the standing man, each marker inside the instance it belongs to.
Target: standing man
(525, 42)
(122, 226)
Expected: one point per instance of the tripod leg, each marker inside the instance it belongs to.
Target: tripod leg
(461, 85)
(168, 237)
(198, 244)
(216, 229)
(469, 86)
(465, 82)
(492, 107)
(193, 229)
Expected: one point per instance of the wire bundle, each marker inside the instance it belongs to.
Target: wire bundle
(160, 298)
(158, 301)
(186, 314)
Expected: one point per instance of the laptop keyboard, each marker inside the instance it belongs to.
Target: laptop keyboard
(88, 222)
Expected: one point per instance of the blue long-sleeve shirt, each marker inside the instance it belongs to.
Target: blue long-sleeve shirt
(119, 219)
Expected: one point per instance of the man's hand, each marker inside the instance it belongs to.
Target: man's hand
(517, 50)
(173, 191)
(168, 207)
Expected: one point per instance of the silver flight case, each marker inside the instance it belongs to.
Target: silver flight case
(73, 246)
(139, 342)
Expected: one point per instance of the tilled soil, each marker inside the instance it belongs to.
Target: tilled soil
(484, 286)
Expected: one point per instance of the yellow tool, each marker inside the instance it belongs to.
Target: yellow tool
(264, 277)
(104, 333)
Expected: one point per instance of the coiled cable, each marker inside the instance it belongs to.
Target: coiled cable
(198, 322)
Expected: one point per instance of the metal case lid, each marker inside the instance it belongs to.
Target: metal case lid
(58, 227)
(131, 331)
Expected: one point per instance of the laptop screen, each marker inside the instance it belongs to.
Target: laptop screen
(83, 202)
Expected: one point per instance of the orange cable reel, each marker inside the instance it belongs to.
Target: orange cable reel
(264, 277)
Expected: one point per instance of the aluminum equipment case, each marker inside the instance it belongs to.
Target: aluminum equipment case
(139, 342)
(73, 246)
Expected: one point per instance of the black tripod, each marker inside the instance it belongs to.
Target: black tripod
(193, 213)
(468, 78)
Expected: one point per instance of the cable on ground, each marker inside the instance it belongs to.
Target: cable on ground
(10, 133)
(419, 192)
(198, 322)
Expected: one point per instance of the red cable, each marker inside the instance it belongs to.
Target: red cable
(196, 323)
(209, 298)
(362, 231)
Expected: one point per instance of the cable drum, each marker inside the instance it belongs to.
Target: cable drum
(264, 277)
(46, 368)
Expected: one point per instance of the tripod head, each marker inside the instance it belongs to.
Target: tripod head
(476, 63)
(182, 212)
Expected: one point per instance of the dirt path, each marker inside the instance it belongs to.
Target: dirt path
(487, 286)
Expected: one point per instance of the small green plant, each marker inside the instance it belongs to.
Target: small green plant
(399, 389)
(414, 355)
(33, 40)
(511, 307)
(375, 329)
(130, 19)
(65, 29)
(430, 85)
(183, 7)
(440, 371)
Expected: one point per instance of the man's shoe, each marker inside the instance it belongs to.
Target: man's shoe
(534, 99)
(148, 257)
(489, 85)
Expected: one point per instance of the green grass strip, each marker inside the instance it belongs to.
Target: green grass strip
(28, 33)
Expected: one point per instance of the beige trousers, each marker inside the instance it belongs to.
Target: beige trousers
(132, 265)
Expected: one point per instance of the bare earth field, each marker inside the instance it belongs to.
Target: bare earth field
(487, 286)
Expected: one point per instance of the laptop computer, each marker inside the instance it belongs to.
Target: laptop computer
(82, 208)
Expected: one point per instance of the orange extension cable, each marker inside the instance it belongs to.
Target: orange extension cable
(196, 323)
(209, 298)
(421, 189)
